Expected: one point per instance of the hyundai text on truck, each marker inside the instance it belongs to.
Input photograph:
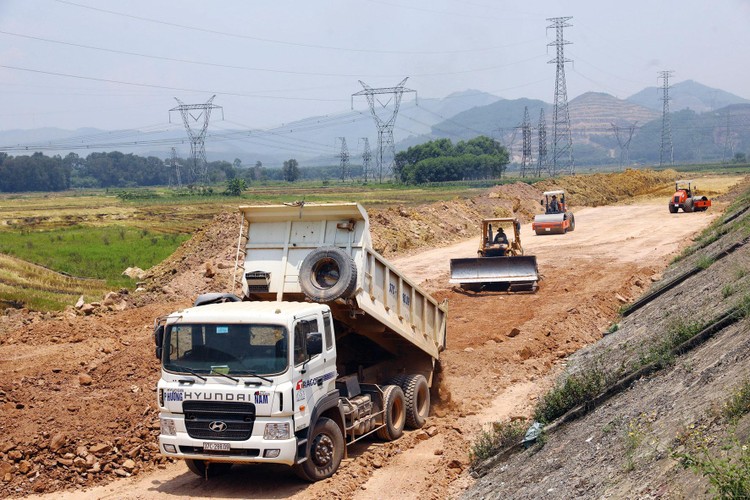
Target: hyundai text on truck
(328, 344)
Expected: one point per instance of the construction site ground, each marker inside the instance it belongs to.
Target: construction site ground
(79, 416)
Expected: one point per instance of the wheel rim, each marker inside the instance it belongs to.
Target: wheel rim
(423, 406)
(326, 273)
(398, 414)
(322, 453)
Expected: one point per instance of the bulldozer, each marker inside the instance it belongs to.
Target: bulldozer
(685, 198)
(500, 264)
(556, 218)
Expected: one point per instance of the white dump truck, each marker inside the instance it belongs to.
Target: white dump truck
(328, 344)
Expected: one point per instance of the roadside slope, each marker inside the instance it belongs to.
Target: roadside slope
(636, 443)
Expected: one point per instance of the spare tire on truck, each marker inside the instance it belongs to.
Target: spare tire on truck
(326, 274)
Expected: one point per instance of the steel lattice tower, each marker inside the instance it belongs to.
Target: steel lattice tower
(526, 159)
(175, 168)
(198, 163)
(366, 158)
(562, 141)
(541, 160)
(384, 164)
(624, 143)
(344, 160)
(666, 123)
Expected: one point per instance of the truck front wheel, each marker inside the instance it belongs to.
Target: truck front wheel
(207, 470)
(395, 413)
(326, 451)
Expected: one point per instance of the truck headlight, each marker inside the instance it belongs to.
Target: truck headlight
(167, 427)
(276, 431)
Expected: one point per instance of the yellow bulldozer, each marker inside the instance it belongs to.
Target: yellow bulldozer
(500, 263)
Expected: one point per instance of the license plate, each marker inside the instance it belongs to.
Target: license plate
(214, 446)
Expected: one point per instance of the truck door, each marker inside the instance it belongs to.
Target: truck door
(314, 375)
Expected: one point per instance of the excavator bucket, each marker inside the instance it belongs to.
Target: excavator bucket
(513, 274)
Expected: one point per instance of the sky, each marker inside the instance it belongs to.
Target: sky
(114, 65)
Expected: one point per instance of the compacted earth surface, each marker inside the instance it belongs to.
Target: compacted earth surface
(77, 392)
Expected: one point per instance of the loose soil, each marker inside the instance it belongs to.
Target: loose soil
(77, 391)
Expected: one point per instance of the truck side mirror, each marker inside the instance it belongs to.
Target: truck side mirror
(314, 343)
(159, 340)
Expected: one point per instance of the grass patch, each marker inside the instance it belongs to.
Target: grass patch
(92, 252)
(662, 353)
(572, 391)
(738, 403)
(499, 436)
(727, 469)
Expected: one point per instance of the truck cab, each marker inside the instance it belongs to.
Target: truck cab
(241, 388)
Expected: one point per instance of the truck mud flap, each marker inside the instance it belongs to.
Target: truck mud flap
(505, 273)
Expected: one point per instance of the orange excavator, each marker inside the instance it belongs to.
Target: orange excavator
(685, 198)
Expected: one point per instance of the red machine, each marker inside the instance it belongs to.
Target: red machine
(684, 198)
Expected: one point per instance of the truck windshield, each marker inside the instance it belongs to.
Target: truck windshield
(227, 348)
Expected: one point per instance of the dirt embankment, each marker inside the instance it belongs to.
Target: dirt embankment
(76, 390)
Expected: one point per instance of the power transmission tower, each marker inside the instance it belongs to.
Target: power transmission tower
(526, 159)
(562, 141)
(175, 168)
(366, 158)
(385, 123)
(198, 163)
(726, 141)
(624, 143)
(541, 160)
(666, 123)
(344, 160)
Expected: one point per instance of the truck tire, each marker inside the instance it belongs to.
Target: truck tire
(327, 274)
(395, 413)
(326, 451)
(572, 220)
(207, 470)
(672, 209)
(417, 399)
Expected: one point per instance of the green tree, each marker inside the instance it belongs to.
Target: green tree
(235, 187)
(290, 170)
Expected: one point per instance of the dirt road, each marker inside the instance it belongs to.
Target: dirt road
(502, 352)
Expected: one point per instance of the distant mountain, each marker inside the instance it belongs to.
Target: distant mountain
(312, 141)
(687, 95)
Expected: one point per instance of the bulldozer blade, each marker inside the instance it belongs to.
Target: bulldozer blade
(509, 273)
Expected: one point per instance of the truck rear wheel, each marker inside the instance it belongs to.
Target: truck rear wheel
(687, 207)
(326, 274)
(672, 209)
(207, 470)
(326, 451)
(394, 417)
(417, 398)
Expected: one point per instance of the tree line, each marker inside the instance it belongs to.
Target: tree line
(440, 160)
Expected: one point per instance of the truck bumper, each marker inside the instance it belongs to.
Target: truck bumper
(256, 449)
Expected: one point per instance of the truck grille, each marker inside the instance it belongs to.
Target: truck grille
(221, 421)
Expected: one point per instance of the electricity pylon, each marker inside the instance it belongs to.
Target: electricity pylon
(385, 123)
(541, 157)
(526, 159)
(562, 142)
(666, 123)
(624, 143)
(198, 163)
(366, 158)
(175, 168)
(344, 160)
